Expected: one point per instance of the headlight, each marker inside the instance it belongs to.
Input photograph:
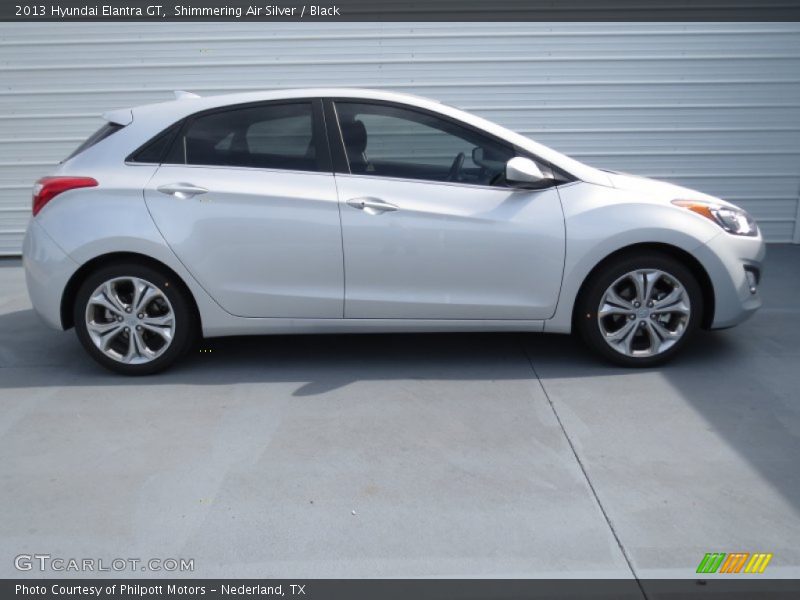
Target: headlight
(732, 219)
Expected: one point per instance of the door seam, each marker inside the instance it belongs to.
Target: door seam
(341, 240)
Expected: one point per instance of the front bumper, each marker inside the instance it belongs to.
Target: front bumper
(727, 259)
(47, 271)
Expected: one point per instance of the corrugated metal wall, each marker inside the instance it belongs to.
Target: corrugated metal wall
(711, 106)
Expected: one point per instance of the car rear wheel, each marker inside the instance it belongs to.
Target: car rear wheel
(133, 319)
(640, 310)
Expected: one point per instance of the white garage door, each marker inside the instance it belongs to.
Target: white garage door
(712, 106)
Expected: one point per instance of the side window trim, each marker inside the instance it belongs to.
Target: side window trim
(335, 138)
(339, 154)
(319, 132)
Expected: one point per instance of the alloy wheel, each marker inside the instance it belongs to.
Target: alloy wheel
(130, 320)
(644, 313)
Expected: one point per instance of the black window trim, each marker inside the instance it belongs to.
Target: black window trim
(319, 133)
(342, 166)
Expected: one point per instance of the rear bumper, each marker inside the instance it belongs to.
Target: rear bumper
(727, 259)
(47, 272)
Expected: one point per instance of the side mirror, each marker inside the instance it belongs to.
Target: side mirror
(523, 172)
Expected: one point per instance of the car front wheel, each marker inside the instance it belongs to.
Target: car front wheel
(133, 319)
(640, 310)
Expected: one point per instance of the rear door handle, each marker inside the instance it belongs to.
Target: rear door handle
(181, 190)
(372, 206)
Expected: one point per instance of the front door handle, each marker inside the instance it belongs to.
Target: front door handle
(372, 206)
(181, 190)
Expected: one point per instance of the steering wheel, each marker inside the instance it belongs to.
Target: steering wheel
(455, 168)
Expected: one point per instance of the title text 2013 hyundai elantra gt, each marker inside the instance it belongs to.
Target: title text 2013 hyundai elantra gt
(340, 210)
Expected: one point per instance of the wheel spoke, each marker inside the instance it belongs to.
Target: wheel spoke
(104, 334)
(159, 321)
(680, 308)
(105, 341)
(133, 350)
(674, 296)
(623, 337)
(141, 346)
(608, 309)
(663, 332)
(110, 292)
(650, 280)
(628, 341)
(144, 297)
(674, 302)
(654, 337)
(139, 288)
(612, 297)
(105, 329)
(622, 332)
(639, 285)
(101, 299)
(162, 326)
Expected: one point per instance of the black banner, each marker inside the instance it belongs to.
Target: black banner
(748, 587)
(400, 10)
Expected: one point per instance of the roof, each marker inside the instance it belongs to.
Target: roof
(190, 103)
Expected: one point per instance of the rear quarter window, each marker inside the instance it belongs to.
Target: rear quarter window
(153, 151)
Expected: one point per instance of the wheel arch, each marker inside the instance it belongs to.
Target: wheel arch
(74, 283)
(679, 254)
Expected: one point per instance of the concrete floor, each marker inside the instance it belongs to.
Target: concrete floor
(404, 456)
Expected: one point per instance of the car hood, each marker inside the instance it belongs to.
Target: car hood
(660, 190)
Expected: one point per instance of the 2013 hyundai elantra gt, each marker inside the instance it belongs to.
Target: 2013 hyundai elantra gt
(341, 210)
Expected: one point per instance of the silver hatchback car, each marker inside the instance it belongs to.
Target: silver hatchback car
(341, 210)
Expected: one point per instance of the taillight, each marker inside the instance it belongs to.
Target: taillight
(48, 188)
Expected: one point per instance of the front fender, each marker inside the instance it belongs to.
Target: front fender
(601, 221)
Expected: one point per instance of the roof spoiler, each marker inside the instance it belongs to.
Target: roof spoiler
(123, 116)
(181, 95)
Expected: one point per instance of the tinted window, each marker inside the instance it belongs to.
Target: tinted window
(275, 136)
(397, 142)
(98, 136)
(154, 150)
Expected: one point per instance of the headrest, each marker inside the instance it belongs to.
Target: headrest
(355, 137)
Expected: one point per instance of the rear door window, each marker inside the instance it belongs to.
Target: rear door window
(270, 136)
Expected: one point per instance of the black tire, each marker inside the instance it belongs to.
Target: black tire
(185, 322)
(586, 318)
